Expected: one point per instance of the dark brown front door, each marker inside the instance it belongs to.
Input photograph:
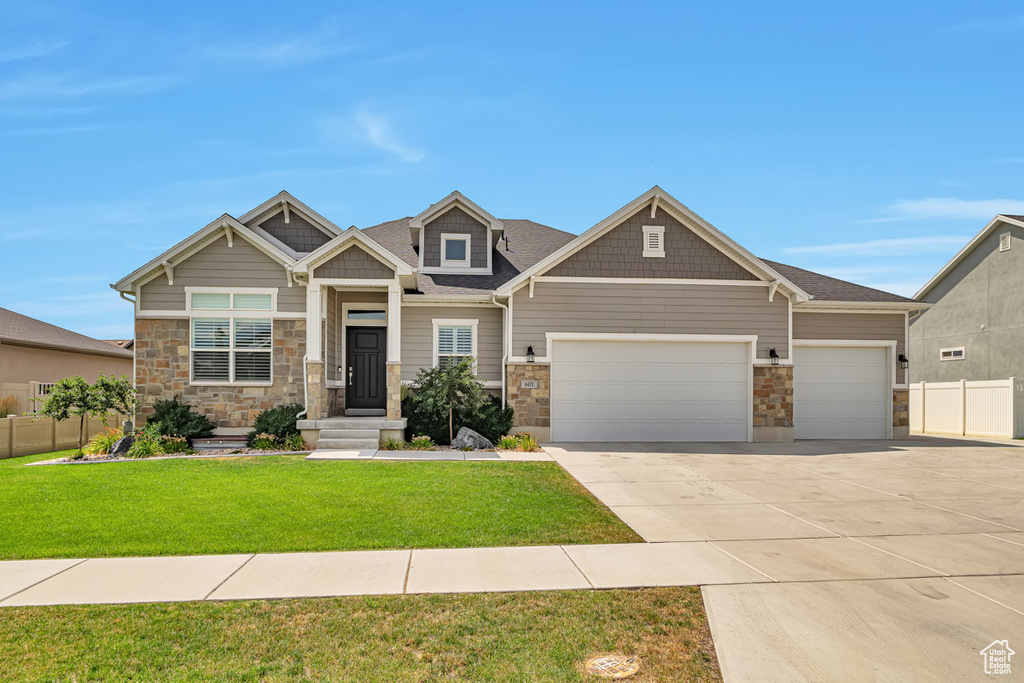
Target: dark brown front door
(366, 381)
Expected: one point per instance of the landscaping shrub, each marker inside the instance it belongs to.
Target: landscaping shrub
(174, 444)
(264, 442)
(278, 422)
(102, 443)
(392, 444)
(7, 405)
(74, 397)
(422, 443)
(489, 419)
(441, 394)
(147, 443)
(523, 441)
(175, 418)
(295, 442)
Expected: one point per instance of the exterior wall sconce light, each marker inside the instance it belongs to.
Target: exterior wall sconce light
(904, 361)
(529, 354)
(773, 354)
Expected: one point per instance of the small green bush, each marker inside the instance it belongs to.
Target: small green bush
(392, 444)
(147, 443)
(422, 443)
(523, 442)
(278, 421)
(173, 444)
(102, 443)
(295, 442)
(489, 419)
(265, 442)
(175, 418)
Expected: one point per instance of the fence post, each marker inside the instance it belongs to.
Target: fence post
(14, 439)
(963, 407)
(924, 423)
(1014, 426)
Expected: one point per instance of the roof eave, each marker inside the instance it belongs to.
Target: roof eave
(880, 306)
(963, 253)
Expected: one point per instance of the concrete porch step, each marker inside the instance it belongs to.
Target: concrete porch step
(348, 423)
(347, 444)
(349, 433)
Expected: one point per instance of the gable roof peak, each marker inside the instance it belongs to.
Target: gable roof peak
(456, 198)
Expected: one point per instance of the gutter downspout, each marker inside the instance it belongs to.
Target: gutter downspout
(305, 387)
(504, 350)
(135, 385)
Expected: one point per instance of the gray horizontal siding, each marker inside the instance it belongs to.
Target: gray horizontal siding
(218, 265)
(868, 326)
(619, 253)
(648, 309)
(418, 341)
(354, 263)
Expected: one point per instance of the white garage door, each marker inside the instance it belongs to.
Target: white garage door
(841, 393)
(649, 391)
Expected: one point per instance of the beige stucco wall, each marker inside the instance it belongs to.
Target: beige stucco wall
(28, 364)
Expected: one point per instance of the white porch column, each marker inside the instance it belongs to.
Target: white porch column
(394, 323)
(314, 341)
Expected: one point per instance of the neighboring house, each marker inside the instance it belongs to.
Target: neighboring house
(975, 327)
(128, 344)
(650, 326)
(35, 353)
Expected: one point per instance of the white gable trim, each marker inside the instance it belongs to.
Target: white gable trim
(456, 199)
(196, 242)
(342, 242)
(965, 252)
(284, 201)
(680, 212)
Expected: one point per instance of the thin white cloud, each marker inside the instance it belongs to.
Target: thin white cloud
(70, 86)
(279, 54)
(33, 51)
(373, 128)
(55, 130)
(900, 246)
(79, 304)
(948, 207)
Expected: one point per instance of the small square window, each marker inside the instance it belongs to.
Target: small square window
(455, 250)
(654, 241)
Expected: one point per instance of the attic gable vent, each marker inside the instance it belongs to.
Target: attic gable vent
(654, 241)
(1004, 242)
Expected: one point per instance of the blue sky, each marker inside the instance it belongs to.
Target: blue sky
(867, 140)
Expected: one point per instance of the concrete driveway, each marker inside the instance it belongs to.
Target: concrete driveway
(872, 561)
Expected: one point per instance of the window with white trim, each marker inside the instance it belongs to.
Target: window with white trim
(453, 341)
(1004, 242)
(231, 348)
(654, 241)
(455, 250)
(952, 354)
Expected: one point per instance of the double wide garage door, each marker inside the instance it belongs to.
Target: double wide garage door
(650, 391)
(841, 393)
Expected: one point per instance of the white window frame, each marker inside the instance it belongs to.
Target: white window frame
(460, 236)
(231, 312)
(456, 322)
(230, 351)
(650, 230)
(951, 351)
(1005, 241)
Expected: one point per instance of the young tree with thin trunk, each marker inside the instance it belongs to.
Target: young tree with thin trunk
(74, 397)
(442, 391)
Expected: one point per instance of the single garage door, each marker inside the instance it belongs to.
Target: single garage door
(841, 393)
(649, 391)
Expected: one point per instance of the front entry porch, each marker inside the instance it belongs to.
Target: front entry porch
(353, 367)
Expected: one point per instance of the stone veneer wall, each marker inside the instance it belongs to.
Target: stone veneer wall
(162, 371)
(532, 406)
(901, 408)
(394, 389)
(773, 396)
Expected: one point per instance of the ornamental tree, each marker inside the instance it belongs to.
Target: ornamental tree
(74, 397)
(443, 390)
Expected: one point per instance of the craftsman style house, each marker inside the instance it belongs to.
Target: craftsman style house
(651, 326)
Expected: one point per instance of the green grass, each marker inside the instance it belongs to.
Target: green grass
(497, 637)
(287, 504)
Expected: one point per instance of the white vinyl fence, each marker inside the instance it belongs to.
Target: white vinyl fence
(31, 435)
(990, 408)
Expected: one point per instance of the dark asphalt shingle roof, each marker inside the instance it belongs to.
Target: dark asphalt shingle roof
(22, 330)
(825, 288)
(528, 243)
(1016, 218)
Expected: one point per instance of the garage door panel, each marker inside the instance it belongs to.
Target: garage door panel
(841, 393)
(649, 391)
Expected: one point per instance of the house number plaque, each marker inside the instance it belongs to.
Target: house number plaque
(529, 384)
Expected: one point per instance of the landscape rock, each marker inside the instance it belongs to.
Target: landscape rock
(121, 447)
(467, 438)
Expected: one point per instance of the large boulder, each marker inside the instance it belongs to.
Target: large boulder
(121, 446)
(467, 438)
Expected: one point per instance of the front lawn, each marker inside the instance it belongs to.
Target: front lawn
(288, 504)
(510, 637)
